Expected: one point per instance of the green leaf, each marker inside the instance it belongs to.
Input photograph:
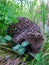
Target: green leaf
(21, 51)
(38, 56)
(15, 48)
(2, 40)
(0, 37)
(25, 43)
(8, 38)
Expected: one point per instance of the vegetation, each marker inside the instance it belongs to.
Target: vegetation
(9, 10)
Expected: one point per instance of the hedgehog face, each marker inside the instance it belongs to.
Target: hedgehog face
(36, 41)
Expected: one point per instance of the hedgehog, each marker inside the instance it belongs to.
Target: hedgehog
(26, 30)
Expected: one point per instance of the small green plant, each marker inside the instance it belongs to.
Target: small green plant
(8, 38)
(20, 49)
(38, 58)
(4, 39)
